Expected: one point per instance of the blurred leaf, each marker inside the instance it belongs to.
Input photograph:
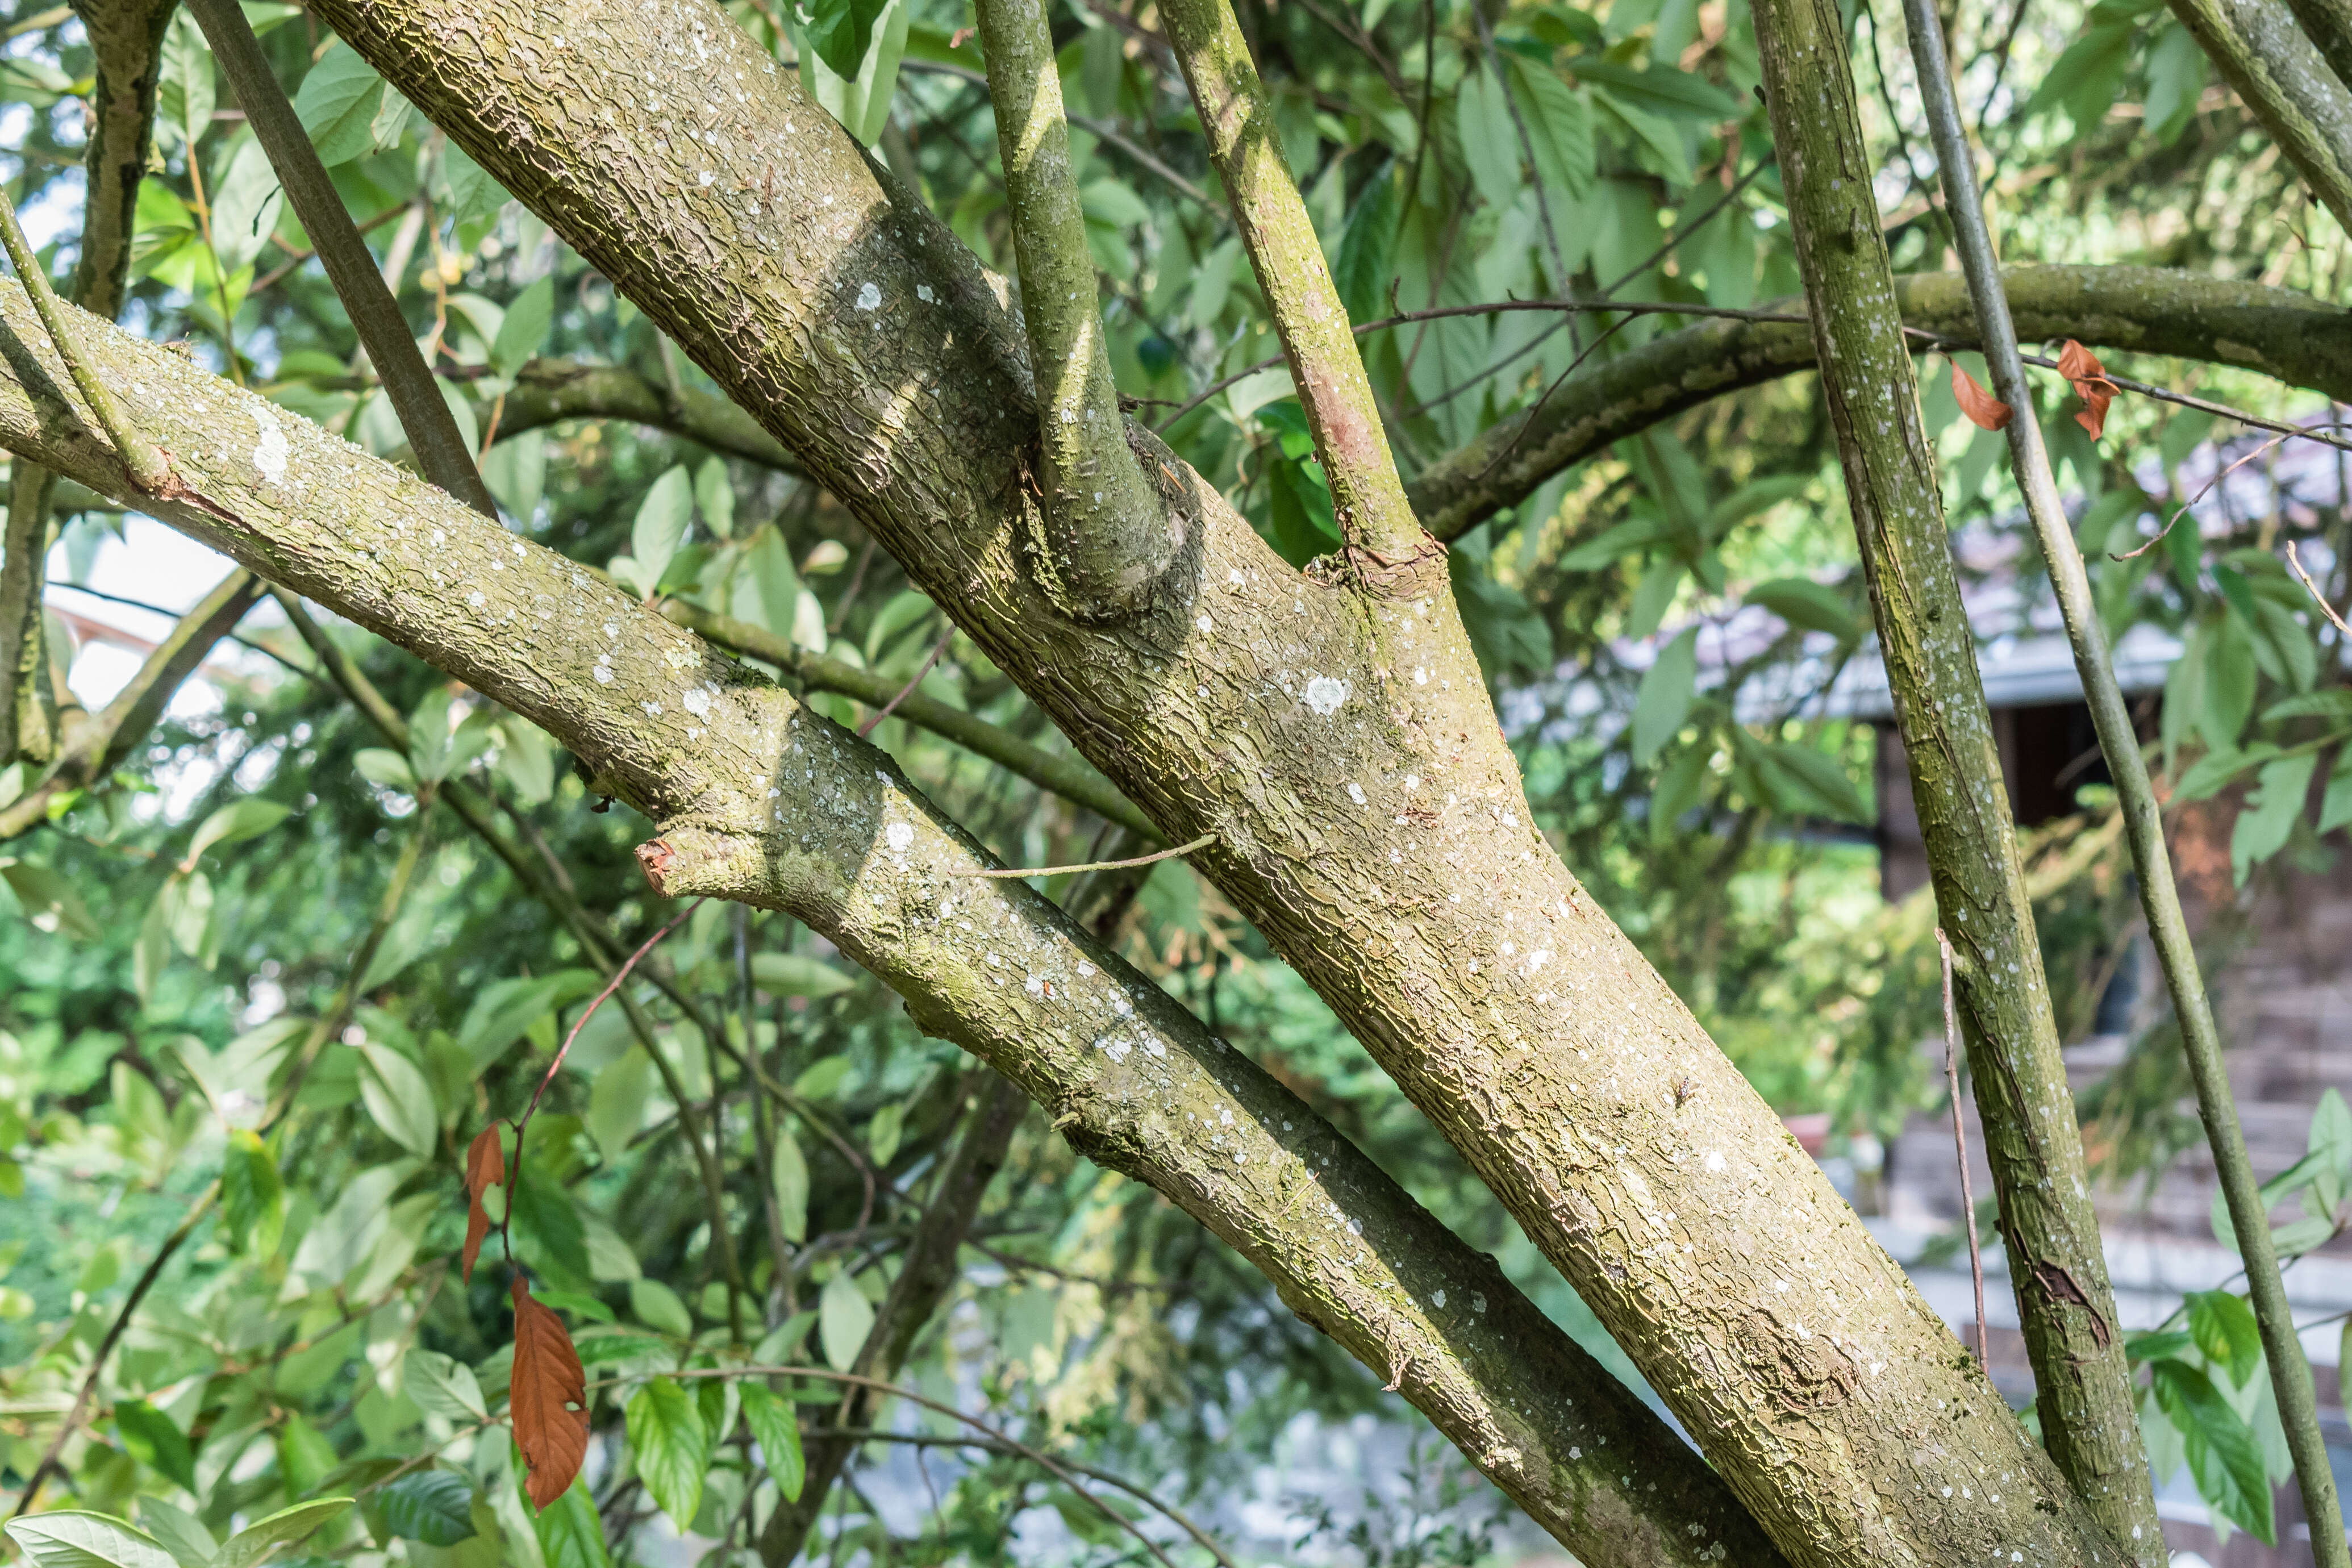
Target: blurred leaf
(660, 526)
(436, 1506)
(791, 1187)
(714, 497)
(69, 1538)
(1664, 699)
(844, 1317)
(1661, 90)
(253, 1195)
(671, 1449)
(442, 1387)
(240, 819)
(337, 105)
(797, 975)
(571, 1535)
(2270, 812)
(1807, 606)
(2223, 1457)
(775, 1429)
(49, 899)
(155, 1443)
(660, 1307)
(396, 1095)
(2223, 1327)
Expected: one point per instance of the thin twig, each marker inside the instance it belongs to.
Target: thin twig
(907, 690)
(1201, 843)
(1960, 1147)
(2317, 597)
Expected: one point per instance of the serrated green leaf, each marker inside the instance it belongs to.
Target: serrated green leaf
(777, 1431)
(671, 1448)
(435, 1507)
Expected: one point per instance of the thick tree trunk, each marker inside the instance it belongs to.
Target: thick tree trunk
(1368, 816)
(2143, 309)
(766, 802)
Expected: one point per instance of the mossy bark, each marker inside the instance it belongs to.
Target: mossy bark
(761, 800)
(2285, 85)
(2140, 310)
(2056, 1261)
(1340, 747)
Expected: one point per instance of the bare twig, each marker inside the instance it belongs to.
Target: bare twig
(1201, 843)
(1960, 1146)
(2317, 597)
(907, 690)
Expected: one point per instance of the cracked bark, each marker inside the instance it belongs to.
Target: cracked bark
(2071, 1333)
(1429, 914)
(2140, 310)
(764, 801)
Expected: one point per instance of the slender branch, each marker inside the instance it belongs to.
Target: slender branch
(1367, 495)
(907, 690)
(2059, 1272)
(1111, 535)
(140, 458)
(350, 266)
(1961, 1148)
(2143, 814)
(1201, 843)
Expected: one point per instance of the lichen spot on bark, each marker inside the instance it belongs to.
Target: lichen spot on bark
(1324, 694)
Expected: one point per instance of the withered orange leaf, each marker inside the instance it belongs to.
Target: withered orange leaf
(546, 1379)
(486, 1167)
(2081, 366)
(1984, 411)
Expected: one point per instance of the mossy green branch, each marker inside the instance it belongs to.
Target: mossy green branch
(2058, 1267)
(1367, 496)
(1109, 535)
(2279, 333)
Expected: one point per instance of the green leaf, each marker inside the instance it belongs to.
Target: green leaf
(524, 332)
(239, 820)
(2229, 678)
(71, 1538)
(569, 1533)
(1808, 606)
(657, 1306)
(1664, 699)
(883, 1132)
(246, 206)
(266, 1538)
(1680, 787)
(616, 1104)
(184, 97)
(1362, 271)
(155, 1443)
(660, 525)
(797, 975)
(1661, 90)
(385, 768)
(1613, 544)
(465, 188)
(2268, 816)
(396, 1095)
(49, 899)
(337, 105)
(2210, 773)
(1561, 126)
(253, 1197)
(1821, 778)
(841, 30)
(183, 1535)
(2223, 1327)
(844, 1317)
(506, 1010)
(671, 1449)
(2330, 1143)
(435, 1507)
(442, 1387)
(821, 1077)
(2223, 1455)
(778, 1433)
(714, 497)
(187, 906)
(791, 1187)
(1490, 143)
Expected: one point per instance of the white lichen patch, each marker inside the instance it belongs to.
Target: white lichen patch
(271, 452)
(900, 836)
(869, 298)
(1324, 694)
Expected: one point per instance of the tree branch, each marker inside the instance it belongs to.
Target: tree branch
(2328, 25)
(759, 796)
(2142, 815)
(546, 391)
(1111, 535)
(2141, 309)
(2058, 1267)
(350, 266)
(1367, 496)
(2284, 85)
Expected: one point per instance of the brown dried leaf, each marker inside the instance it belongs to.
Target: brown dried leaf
(1984, 411)
(541, 1399)
(486, 1167)
(2081, 366)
